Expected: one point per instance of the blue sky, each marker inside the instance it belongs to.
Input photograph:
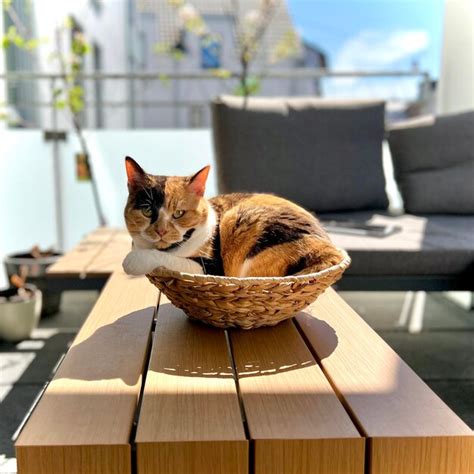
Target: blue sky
(374, 34)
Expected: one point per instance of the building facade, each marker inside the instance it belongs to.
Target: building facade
(125, 37)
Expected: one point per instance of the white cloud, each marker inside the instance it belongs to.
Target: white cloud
(377, 50)
(397, 89)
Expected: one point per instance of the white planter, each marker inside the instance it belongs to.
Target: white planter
(19, 318)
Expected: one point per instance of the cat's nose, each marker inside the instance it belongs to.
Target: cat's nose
(161, 232)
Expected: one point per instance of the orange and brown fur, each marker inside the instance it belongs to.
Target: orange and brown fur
(244, 235)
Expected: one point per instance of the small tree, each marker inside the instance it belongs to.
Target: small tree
(249, 33)
(69, 96)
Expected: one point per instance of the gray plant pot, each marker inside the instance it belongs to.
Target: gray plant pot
(36, 276)
(19, 318)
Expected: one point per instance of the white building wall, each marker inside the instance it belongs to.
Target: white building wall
(126, 39)
(106, 27)
(456, 84)
(205, 90)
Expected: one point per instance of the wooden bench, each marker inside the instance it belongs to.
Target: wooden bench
(143, 389)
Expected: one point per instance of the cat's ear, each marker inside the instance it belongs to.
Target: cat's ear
(197, 182)
(135, 174)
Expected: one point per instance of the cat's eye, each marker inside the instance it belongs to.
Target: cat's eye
(178, 213)
(146, 211)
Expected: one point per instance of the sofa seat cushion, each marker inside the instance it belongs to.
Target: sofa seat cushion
(426, 245)
(433, 160)
(324, 155)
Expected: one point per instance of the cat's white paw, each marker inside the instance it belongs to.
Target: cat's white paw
(139, 262)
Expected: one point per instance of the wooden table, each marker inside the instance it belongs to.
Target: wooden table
(91, 262)
(143, 389)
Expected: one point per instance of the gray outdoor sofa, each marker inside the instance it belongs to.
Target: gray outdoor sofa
(327, 156)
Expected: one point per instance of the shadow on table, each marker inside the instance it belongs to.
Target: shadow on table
(110, 352)
(257, 352)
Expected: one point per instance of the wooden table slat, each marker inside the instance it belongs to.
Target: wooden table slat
(84, 419)
(76, 261)
(110, 258)
(411, 428)
(295, 420)
(190, 420)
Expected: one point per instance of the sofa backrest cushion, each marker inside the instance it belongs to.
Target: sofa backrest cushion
(324, 155)
(433, 160)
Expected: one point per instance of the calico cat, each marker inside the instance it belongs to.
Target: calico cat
(244, 235)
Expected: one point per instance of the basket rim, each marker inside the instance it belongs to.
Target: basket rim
(164, 273)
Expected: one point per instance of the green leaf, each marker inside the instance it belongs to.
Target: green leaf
(177, 54)
(161, 48)
(68, 23)
(288, 46)
(60, 104)
(252, 86)
(76, 68)
(164, 79)
(168, 50)
(14, 38)
(221, 73)
(195, 25)
(19, 42)
(79, 45)
(76, 91)
(32, 44)
(6, 43)
(75, 99)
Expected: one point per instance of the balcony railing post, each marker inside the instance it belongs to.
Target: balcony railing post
(57, 170)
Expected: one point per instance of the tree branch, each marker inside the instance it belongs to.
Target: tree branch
(16, 20)
(74, 116)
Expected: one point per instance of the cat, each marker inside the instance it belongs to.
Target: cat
(172, 225)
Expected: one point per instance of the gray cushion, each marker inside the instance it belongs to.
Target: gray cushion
(434, 164)
(426, 245)
(324, 155)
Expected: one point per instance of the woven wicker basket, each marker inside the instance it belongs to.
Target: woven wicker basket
(245, 302)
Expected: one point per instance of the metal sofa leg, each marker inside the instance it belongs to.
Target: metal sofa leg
(415, 325)
(406, 308)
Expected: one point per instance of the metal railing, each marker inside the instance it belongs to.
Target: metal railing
(132, 102)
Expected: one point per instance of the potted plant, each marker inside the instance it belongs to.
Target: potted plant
(20, 309)
(32, 265)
